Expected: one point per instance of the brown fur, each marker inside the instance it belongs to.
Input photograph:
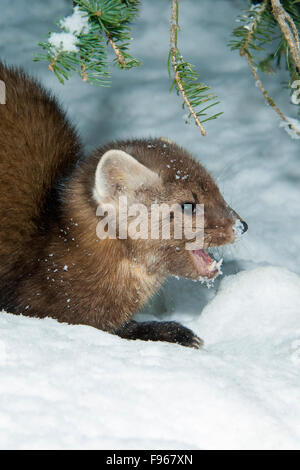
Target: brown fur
(51, 260)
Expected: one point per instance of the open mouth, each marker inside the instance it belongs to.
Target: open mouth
(207, 267)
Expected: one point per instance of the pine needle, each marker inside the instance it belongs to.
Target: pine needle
(186, 79)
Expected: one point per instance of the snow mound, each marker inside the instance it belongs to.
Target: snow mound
(64, 386)
(254, 306)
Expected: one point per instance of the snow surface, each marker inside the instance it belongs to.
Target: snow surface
(67, 386)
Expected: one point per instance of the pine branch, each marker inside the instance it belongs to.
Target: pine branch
(244, 49)
(82, 44)
(259, 27)
(268, 98)
(289, 31)
(119, 55)
(186, 80)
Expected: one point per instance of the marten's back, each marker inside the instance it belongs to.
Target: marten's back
(38, 147)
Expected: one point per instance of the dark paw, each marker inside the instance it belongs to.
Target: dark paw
(176, 333)
(169, 331)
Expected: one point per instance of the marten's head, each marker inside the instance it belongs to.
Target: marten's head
(142, 179)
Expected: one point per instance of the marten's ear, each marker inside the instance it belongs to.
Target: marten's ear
(117, 171)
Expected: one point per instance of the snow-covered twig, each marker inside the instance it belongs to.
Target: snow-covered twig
(269, 100)
(244, 52)
(289, 31)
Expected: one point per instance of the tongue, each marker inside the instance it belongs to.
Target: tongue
(206, 266)
(201, 253)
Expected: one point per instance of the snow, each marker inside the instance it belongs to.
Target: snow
(255, 18)
(63, 42)
(291, 132)
(76, 23)
(238, 228)
(65, 386)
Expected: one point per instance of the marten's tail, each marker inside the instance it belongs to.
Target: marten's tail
(38, 147)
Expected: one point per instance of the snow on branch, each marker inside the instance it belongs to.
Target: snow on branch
(82, 43)
(288, 29)
(263, 25)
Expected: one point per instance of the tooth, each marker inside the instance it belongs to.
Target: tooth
(216, 265)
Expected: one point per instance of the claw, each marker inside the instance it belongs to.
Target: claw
(197, 343)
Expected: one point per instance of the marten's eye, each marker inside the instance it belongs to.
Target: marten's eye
(188, 207)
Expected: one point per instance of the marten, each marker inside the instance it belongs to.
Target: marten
(52, 263)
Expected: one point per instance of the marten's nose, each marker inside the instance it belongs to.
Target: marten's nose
(245, 226)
